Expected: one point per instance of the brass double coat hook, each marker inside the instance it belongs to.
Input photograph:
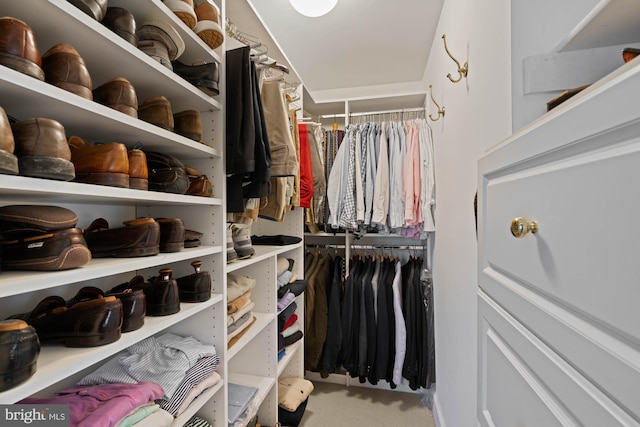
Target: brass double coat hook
(462, 70)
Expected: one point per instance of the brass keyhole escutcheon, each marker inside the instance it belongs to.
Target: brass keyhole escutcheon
(520, 227)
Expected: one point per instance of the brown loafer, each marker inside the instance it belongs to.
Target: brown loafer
(192, 238)
(188, 124)
(171, 234)
(8, 160)
(161, 294)
(18, 47)
(42, 149)
(45, 251)
(17, 219)
(122, 22)
(195, 287)
(64, 67)
(118, 94)
(133, 303)
(138, 170)
(20, 348)
(94, 8)
(84, 324)
(103, 164)
(157, 111)
(138, 237)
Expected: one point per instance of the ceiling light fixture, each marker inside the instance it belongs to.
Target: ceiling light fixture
(313, 8)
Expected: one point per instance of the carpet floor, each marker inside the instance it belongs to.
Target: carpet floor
(336, 405)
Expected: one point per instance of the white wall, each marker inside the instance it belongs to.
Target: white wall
(478, 115)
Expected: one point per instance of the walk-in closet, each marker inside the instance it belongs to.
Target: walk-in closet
(245, 213)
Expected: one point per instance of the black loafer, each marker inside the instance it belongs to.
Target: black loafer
(19, 351)
(195, 287)
(204, 76)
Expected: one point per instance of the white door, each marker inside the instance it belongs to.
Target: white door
(559, 307)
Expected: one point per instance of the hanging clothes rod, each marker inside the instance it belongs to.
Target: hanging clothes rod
(373, 113)
(365, 247)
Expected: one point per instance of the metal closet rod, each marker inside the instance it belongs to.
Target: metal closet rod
(370, 113)
(362, 247)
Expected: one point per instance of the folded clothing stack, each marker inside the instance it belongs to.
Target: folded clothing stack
(240, 398)
(239, 307)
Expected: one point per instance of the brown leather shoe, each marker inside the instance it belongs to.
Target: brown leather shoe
(103, 164)
(195, 287)
(183, 10)
(133, 303)
(171, 234)
(157, 111)
(84, 324)
(161, 294)
(18, 47)
(45, 251)
(118, 94)
(64, 67)
(8, 160)
(20, 348)
(94, 8)
(188, 123)
(192, 238)
(42, 149)
(166, 173)
(138, 237)
(208, 27)
(122, 22)
(169, 45)
(138, 171)
(16, 219)
(199, 184)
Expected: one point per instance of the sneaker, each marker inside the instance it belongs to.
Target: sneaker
(242, 242)
(231, 253)
(209, 27)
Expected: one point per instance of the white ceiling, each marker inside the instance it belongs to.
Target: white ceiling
(361, 49)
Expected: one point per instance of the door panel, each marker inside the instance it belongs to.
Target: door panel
(584, 226)
(524, 383)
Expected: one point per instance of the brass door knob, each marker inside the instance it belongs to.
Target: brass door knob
(520, 227)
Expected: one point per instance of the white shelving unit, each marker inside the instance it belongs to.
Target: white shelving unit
(108, 56)
(253, 360)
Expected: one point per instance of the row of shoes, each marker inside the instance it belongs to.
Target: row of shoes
(46, 238)
(43, 151)
(201, 16)
(93, 318)
(63, 66)
(160, 40)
